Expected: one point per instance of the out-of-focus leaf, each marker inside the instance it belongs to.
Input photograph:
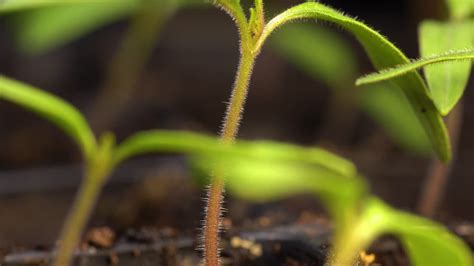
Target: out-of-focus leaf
(264, 171)
(386, 74)
(187, 142)
(43, 29)
(59, 112)
(383, 55)
(164, 141)
(426, 242)
(386, 104)
(461, 8)
(260, 179)
(48, 24)
(446, 81)
(21, 5)
(319, 52)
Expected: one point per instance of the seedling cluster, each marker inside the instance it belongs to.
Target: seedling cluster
(265, 171)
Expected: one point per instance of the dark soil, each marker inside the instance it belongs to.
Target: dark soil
(305, 242)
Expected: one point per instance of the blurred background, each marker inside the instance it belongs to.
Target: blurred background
(173, 68)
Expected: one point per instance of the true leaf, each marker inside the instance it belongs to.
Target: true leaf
(386, 104)
(324, 55)
(59, 112)
(386, 74)
(446, 81)
(383, 54)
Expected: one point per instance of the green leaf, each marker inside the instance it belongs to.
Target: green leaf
(256, 19)
(163, 141)
(59, 112)
(447, 81)
(44, 29)
(187, 142)
(260, 170)
(386, 74)
(461, 9)
(261, 179)
(426, 242)
(319, 52)
(386, 104)
(323, 54)
(282, 169)
(21, 5)
(383, 54)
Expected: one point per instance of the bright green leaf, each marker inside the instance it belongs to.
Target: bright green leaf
(262, 179)
(163, 141)
(446, 81)
(291, 169)
(43, 29)
(21, 5)
(260, 170)
(386, 74)
(319, 52)
(383, 55)
(59, 112)
(187, 142)
(386, 104)
(426, 242)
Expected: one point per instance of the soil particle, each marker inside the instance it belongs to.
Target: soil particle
(101, 237)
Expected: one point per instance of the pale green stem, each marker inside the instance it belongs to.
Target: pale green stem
(351, 237)
(237, 101)
(347, 244)
(84, 203)
(97, 171)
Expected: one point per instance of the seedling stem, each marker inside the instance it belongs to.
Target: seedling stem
(97, 171)
(249, 33)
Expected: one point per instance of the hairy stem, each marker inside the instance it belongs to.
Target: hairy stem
(76, 220)
(228, 135)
